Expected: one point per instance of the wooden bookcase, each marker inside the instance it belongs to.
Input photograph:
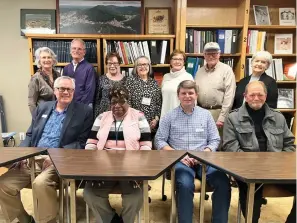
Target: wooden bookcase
(237, 14)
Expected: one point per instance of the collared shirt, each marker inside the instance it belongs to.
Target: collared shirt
(50, 137)
(183, 131)
(75, 64)
(216, 87)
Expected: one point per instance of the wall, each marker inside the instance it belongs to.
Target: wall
(14, 61)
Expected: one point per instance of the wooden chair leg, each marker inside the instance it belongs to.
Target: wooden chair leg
(139, 217)
(173, 201)
(238, 211)
(61, 201)
(87, 213)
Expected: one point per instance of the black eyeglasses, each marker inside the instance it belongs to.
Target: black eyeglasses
(118, 101)
(63, 89)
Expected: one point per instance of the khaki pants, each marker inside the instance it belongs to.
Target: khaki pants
(44, 188)
(96, 196)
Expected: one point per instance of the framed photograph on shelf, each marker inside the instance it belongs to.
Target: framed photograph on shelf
(283, 44)
(261, 14)
(157, 20)
(287, 17)
(38, 21)
(100, 16)
(285, 98)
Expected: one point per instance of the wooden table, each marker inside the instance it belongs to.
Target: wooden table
(10, 155)
(252, 168)
(140, 165)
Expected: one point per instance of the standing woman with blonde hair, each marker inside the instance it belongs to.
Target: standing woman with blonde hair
(41, 85)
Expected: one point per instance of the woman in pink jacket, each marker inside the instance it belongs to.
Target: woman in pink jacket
(121, 128)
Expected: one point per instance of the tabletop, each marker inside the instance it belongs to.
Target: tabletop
(253, 167)
(9, 155)
(106, 165)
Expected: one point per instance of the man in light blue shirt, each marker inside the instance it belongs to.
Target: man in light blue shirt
(190, 127)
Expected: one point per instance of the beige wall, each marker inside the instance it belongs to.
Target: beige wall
(14, 61)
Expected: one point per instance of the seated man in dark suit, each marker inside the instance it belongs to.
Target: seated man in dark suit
(55, 124)
(255, 127)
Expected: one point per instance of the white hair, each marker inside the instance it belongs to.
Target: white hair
(264, 54)
(47, 50)
(57, 81)
(79, 40)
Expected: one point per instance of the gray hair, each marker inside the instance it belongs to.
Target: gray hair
(255, 82)
(134, 71)
(57, 81)
(79, 40)
(265, 54)
(187, 84)
(47, 50)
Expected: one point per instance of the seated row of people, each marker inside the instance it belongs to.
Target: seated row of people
(67, 124)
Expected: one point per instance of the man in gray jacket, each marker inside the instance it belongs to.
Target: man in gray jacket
(254, 127)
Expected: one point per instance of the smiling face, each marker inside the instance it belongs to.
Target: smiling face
(142, 67)
(46, 60)
(255, 95)
(259, 65)
(64, 92)
(113, 65)
(177, 62)
(211, 57)
(77, 51)
(187, 97)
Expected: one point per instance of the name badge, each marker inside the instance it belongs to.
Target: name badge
(44, 116)
(199, 130)
(146, 101)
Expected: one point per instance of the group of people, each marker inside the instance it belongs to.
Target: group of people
(126, 113)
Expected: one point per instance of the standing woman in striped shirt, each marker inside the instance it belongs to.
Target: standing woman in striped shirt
(121, 128)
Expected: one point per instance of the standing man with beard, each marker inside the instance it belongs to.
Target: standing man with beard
(83, 73)
(216, 83)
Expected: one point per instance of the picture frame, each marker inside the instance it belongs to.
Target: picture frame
(261, 14)
(157, 20)
(285, 98)
(100, 16)
(38, 21)
(283, 43)
(287, 17)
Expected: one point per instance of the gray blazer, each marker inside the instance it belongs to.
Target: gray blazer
(75, 130)
(239, 132)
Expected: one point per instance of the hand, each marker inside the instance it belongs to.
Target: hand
(189, 162)
(220, 124)
(46, 163)
(207, 149)
(153, 123)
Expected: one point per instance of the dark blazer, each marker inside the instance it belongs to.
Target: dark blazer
(272, 92)
(75, 129)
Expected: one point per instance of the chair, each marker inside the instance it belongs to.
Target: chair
(269, 190)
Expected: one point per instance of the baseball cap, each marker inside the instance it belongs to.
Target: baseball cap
(211, 46)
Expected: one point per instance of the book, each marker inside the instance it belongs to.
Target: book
(285, 98)
(261, 14)
(283, 43)
(290, 71)
(287, 17)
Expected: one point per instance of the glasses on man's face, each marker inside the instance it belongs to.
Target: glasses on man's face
(177, 59)
(212, 54)
(142, 65)
(76, 49)
(63, 89)
(118, 101)
(112, 64)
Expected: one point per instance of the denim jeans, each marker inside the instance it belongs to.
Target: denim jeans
(184, 177)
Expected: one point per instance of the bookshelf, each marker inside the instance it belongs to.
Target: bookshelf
(239, 15)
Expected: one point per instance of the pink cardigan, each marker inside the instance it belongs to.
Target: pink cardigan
(131, 130)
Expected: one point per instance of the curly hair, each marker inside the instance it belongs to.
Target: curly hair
(119, 91)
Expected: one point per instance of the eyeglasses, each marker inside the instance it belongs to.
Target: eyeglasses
(63, 89)
(76, 49)
(143, 65)
(114, 64)
(118, 101)
(213, 54)
(177, 59)
(256, 95)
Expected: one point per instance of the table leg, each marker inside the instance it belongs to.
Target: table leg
(32, 167)
(250, 203)
(73, 201)
(173, 198)
(202, 192)
(61, 201)
(145, 202)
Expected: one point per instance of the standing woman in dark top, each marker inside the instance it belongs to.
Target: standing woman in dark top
(261, 61)
(106, 82)
(41, 85)
(145, 94)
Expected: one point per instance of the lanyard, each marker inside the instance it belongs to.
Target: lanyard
(117, 130)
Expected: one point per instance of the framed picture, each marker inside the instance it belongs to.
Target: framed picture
(100, 16)
(39, 21)
(261, 14)
(157, 20)
(287, 16)
(283, 44)
(285, 98)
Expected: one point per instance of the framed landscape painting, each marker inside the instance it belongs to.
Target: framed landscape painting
(100, 17)
(38, 21)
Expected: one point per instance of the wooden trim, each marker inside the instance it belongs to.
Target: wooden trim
(155, 65)
(276, 55)
(221, 55)
(286, 82)
(31, 55)
(214, 26)
(286, 109)
(270, 27)
(137, 37)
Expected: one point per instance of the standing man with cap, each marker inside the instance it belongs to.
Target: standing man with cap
(216, 83)
(83, 73)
